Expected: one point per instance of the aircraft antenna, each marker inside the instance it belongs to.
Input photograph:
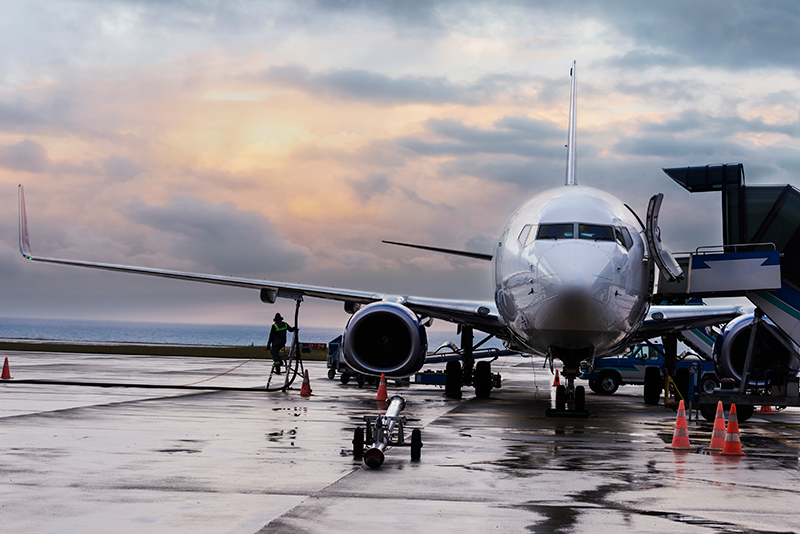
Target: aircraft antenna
(571, 179)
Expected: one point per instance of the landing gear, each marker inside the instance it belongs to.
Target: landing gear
(652, 385)
(570, 400)
(561, 398)
(483, 380)
(453, 380)
(580, 399)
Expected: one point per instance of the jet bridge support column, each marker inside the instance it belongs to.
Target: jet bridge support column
(670, 342)
(467, 354)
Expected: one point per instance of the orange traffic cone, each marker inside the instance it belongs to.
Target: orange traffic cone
(732, 446)
(6, 371)
(680, 438)
(382, 394)
(556, 381)
(765, 409)
(305, 391)
(718, 434)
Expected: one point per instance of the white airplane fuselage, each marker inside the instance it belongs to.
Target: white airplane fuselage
(572, 278)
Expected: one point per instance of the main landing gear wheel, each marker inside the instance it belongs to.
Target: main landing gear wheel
(344, 378)
(483, 380)
(652, 385)
(416, 444)
(561, 398)
(580, 399)
(453, 380)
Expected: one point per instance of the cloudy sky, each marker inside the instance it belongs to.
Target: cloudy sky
(284, 140)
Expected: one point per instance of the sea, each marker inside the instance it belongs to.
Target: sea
(173, 333)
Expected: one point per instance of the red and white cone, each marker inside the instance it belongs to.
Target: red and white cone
(718, 434)
(732, 446)
(305, 391)
(556, 381)
(6, 371)
(382, 394)
(680, 437)
(765, 409)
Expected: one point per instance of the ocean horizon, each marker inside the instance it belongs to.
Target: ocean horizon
(101, 331)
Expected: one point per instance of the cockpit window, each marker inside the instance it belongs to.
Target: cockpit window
(596, 232)
(525, 235)
(623, 237)
(556, 231)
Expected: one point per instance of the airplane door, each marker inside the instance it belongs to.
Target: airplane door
(660, 254)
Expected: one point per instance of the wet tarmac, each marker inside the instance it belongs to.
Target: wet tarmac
(107, 459)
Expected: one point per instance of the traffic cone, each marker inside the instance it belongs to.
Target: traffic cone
(382, 395)
(6, 371)
(305, 391)
(680, 438)
(718, 434)
(765, 409)
(556, 381)
(732, 446)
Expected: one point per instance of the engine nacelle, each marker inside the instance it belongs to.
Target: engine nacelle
(385, 337)
(769, 354)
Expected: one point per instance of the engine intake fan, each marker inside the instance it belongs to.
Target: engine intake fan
(387, 338)
(770, 354)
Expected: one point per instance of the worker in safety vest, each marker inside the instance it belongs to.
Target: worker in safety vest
(277, 340)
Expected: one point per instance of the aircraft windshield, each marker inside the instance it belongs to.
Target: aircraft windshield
(596, 232)
(556, 231)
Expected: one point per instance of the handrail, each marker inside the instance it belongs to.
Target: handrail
(735, 247)
(715, 249)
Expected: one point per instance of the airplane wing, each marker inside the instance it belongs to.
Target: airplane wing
(482, 315)
(663, 320)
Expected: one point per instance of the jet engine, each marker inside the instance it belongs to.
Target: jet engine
(385, 337)
(769, 353)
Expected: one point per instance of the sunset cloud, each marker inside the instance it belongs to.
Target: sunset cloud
(287, 139)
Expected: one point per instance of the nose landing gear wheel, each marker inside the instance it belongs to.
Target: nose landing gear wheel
(580, 399)
(561, 398)
(570, 401)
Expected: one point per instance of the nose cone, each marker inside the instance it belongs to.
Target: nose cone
(574, 282)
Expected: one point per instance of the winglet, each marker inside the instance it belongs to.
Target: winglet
(24, 244)
(571, 180)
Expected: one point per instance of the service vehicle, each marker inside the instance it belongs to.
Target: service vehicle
(629, 369)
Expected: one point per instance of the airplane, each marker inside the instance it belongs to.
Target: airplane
(574, 270)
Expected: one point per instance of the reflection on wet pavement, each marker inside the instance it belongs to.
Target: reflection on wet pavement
(109, 459)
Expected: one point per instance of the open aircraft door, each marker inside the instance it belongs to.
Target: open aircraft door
(660, 254)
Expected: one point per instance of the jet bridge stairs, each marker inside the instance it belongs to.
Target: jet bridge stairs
(759, 259)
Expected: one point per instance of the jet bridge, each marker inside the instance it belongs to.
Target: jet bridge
(760, 254)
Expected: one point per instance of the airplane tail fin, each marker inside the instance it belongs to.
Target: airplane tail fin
(24, 244)
(571, 179)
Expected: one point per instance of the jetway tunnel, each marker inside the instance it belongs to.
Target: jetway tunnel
(754, 217)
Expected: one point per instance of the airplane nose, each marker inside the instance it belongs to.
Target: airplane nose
(575, 281)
